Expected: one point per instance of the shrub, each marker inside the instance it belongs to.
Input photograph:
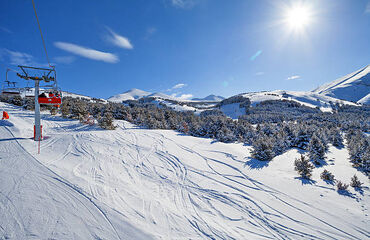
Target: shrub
(304, 167)
(326, 175)
(342, 186)
(355, 182)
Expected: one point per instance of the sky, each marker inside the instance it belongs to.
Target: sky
(187, 48)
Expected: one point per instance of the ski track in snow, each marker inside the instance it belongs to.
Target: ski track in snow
(179, 187)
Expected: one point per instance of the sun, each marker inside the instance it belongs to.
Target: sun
(298, 17)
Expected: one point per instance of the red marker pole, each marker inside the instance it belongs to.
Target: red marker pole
(39, 144)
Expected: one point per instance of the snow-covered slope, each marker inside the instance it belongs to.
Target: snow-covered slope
(74, 95)
(352, 87)
(132, 94)
(210, 98)
(38, 203)
(166, 184)
(162, 95)
(309, 99)
(365, 100)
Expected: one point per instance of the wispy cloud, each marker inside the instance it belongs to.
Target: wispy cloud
(293, 77)
(256, 55)
(4, 29)
(367, 9)
(65, 59)
(259, 73)
(180, 85)
(177, 86)
(183, 3)
(87, 52)
(182, 96)
(19, 58)
(118, 40)
(150, 32)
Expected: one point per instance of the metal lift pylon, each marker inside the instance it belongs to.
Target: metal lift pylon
(49, 76)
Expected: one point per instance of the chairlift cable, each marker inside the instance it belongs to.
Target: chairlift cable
(42, 37)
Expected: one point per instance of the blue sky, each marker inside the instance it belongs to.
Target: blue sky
(186, 47)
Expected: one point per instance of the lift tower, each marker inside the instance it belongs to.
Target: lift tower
(49, 77)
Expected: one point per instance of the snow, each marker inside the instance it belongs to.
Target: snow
(308, 99)
(352, 87)
(132, 94)
(88, 183)
(162, 95)
(233, 110)
(365, 100)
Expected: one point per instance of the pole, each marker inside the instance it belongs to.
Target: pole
(37, 112)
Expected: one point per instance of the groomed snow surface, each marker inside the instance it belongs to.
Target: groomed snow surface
(134, 183)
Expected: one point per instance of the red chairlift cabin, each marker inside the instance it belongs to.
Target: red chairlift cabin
(51, 98)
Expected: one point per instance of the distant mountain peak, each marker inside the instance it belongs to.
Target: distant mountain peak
(211, 97)
(132, 94)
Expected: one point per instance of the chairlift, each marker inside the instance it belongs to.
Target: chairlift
(51, 97)
(9, 88)
(51, 94)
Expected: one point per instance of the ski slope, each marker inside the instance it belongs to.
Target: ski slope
(166, 185)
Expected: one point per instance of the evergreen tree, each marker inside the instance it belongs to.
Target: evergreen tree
(326, 175)
(336, 138)
(355, 182)
(304, 167)
(106, 122)
(316, 149)
(263, 149)
(342, 186)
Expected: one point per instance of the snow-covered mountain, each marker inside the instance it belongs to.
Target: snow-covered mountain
(132, 94)
(210, 98)
(353, 87)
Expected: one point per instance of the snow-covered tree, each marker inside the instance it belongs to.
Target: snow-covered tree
(301, 138)
(335, 137)
(263, 149)
(316, 149)
(355, 182)
(326, 175)
(106, 122)
(304, 167)
(342, 186)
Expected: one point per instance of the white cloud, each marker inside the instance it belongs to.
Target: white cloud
(65, 59)
(293, 77)
(87, 52)
(19, 58)
(183, 3)
(259, 73)
(180, 85)
(177, 86)
(367, 10)
(185, 96)
(118, 40)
